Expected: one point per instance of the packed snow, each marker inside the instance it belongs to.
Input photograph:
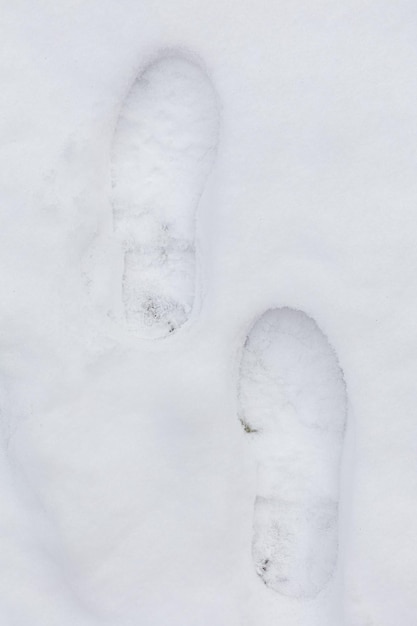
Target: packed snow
(293, 402)
(208, 346)
(165, 142)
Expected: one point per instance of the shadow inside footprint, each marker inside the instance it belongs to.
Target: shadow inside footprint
(292, 402)
(163, 149)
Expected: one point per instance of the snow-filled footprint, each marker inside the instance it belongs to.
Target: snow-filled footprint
(163, 149)
(292, 403)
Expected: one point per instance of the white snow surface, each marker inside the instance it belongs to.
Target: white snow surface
(292, 401)
(128, 484)
(164, 144)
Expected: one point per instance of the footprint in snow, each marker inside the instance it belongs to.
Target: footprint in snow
(163, 149)
(292, 402)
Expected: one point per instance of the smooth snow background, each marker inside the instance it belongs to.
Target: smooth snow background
(127, 495)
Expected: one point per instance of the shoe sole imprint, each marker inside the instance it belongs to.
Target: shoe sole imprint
(163, 150)
(292, 403)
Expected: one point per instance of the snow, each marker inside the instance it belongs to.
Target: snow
(292, 400)
(128, 484)
(164, 147)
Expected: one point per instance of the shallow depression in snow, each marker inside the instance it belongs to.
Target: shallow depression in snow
(292, 401)
(164, 147)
